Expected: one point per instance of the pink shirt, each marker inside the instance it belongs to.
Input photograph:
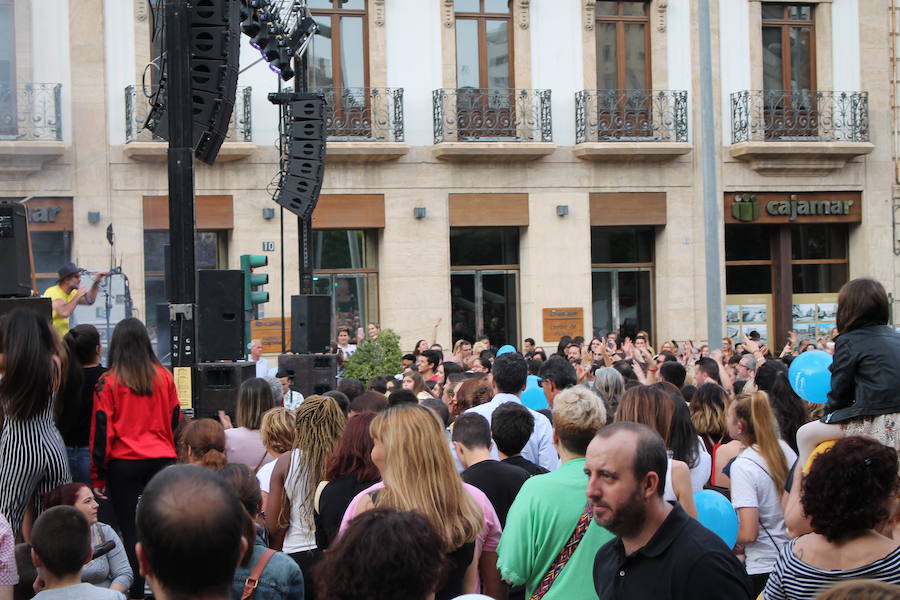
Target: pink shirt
(245, 446)
(487, 540)
(8, 573)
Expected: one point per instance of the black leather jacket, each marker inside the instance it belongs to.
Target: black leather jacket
(865, 374)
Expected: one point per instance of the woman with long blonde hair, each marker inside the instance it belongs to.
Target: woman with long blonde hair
(289, 509)
(411, 452)
(758, 475)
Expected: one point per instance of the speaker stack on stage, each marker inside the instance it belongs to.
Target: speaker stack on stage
(218, 385)
(311, 323)
(220, 315)
(215, 49)
(312, 373)
(15, 268)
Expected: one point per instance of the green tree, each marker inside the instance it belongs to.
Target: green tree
(381, 356)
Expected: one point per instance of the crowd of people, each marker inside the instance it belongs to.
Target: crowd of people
(477, 472)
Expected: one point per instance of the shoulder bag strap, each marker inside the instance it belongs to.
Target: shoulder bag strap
(261, 459)
(565, 554)
(252, 581)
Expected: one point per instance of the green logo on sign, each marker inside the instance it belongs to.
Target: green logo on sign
(745, 207)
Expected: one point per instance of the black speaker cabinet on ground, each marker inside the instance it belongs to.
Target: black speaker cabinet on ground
(220, 315)
(313, 373)
(311, 323)
(15, 268)
(42, 305)
(218, 385)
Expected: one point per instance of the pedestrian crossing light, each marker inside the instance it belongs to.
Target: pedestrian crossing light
(253, 280)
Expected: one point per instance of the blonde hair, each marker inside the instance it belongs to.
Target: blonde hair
(419, 473)
(320, 425)
(578, 413)
(277, 429)
(761, 430)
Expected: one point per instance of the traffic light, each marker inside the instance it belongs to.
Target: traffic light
(253, 280)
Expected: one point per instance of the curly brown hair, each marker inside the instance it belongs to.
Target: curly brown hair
(848, 488)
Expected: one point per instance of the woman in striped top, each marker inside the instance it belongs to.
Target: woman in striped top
(849, 494)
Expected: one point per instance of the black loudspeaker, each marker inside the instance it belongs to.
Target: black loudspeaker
(44, 306)
(304, 167)
(313, 373)
(220, 315)
(215, 51)
(310, 323)
(15, 268)
(218, 385)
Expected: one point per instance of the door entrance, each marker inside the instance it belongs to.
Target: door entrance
(485, 301)
(623, 301)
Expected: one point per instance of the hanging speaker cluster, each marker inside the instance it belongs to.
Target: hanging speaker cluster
(277, 42)
(303, 165)
(215, 51)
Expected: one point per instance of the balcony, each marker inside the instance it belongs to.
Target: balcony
(30, 127)
(485, 124)
(805, 132)
(143, 145)
(364, 124)
(615, 125)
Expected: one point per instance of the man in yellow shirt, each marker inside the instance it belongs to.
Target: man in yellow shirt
(67, 294)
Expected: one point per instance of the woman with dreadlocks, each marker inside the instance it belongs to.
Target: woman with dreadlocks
(289, 509)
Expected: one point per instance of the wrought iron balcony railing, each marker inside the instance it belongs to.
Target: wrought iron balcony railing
(492, 115)
(364, 114)
(631, 116)
(799, 116)
(137, 108)
(31, 112)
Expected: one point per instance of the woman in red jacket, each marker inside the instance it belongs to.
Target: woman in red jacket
(136, 411)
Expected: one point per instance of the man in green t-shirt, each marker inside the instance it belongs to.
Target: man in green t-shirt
(67, 294)
(550, 510)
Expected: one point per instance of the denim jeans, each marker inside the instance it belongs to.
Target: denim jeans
(79, 463)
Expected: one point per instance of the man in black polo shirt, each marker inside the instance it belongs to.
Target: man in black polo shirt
(660, 552)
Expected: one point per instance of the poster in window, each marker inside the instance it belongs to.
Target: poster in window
(827, 312)
(734, 332)
(754, 313)
(762, 329)
(825, 329)
(733, 314)
(805, 331)
(804, 312)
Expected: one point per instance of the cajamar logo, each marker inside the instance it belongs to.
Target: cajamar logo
(745, 207)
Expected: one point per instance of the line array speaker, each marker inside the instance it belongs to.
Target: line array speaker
(303, 168)
(15, 268)
(218, 385)
(215, 52)
(220, 315)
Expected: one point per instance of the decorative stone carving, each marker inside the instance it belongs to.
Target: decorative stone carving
(447, 6)
(140, 10)
(589, 14)
(524, 14)
(661, 7)
(378, 11)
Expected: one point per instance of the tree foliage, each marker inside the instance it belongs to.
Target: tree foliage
(381, 356)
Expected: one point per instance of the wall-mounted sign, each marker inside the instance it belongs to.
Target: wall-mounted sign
(268, 331)
(44, 215)
(563, 321)
(774, 207)
(268, 246)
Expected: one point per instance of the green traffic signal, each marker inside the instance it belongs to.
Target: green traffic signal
(252, 280)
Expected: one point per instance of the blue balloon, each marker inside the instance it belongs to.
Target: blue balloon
(810, 377)
(715, 512)
(505, 349)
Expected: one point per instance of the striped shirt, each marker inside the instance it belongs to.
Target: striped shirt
(793, 579)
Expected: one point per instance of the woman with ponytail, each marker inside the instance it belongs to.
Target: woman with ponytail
(289, 509)
(758, 475)
(204, 444)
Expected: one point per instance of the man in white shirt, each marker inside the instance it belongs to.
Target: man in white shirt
(510, 373)
(262, 366)
(291, 398)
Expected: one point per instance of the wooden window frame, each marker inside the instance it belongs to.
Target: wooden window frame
(785, 25)
(620, 20)
(482, 17)
(335, 14)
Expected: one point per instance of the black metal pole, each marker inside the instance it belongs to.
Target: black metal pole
(182, 294)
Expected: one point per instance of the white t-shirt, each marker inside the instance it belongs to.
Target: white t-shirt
(348, 351)
(264, 476)
(753, 487)
(301, 534)
(702, 468)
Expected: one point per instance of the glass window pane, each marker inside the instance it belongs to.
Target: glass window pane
(634, 9)
(607, 59)
(819, 279)
(634, 303)
(154, 295)
(314, 4)
(606, 8)
(496, 6)
(207, 250)
(321, 69)
(340, 249)
(773, 69)
(43, 283)
(498, 303)
(353, 64)
(351, 4)
(801, 58)
(819, 241)
(462, 298)
(466, 6)
(154, 251)
(799, 13)
(355, 300)
(498, 54)
(773, 11)
(747, 242)
(635, 57)
(49, 250)
(621, 244)
(484, 246)
(467, 70)
(601, 304)
(755, 279)
(7, 39)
